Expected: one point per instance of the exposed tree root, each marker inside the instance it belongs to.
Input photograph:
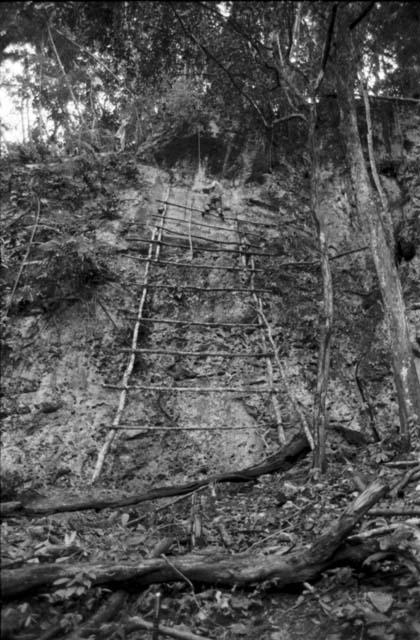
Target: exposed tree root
(282, 460)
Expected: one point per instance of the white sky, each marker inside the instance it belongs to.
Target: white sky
(10, 118)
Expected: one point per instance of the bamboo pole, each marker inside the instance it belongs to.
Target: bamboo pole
(199, 324)
(190, 236)
(211, 289)
(212, 249)
(199, 224)
(206, 239)
(191, 266)
(197, 354)
(157, 232)
(268, 363)
(145, 387)
(259, 224)
(130, 427)
(270, 373)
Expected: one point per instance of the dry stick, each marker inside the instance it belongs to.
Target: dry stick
(193, 222)
(269, 365)
(169, 504)
(136, 623)
(156, 615)
(402, 463)
(230, 325)
(107, 313)
(298, 410)
(384, 212)
(130, 427)
(189, 231)
(182, 575)
(259, 224)
(191, 389)
(129, 369)
(199, 224)
(347, 253)
(194, 266)
(194, 288)
(200, 248)
(387, 513)
(410, 524)
(22, 264)
(45, 226)
(374, 170)
(202, 354)
(206, 238)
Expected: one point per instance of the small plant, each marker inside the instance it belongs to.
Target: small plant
(70, 267)
(10, 483)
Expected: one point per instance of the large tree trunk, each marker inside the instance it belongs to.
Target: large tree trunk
(405, 375)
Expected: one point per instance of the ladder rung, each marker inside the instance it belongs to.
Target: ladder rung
(231, 325)
(192, 266)
(128, 426)
(214, 240)
(203, 354)
(198, 248)
(193, 288)
(200, 224)
(142, 387)
(181, 206)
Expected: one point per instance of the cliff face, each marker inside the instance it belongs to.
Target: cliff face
(71, 321)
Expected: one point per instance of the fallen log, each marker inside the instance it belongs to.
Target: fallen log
(299, 566)
(282, 460)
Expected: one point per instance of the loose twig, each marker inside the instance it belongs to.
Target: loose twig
(183, 576)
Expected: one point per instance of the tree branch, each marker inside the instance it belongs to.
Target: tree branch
(211, 56)
(363, 15)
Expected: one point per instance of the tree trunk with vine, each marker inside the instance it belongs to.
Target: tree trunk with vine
(405, 375)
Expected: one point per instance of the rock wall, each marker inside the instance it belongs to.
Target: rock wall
(56, 411)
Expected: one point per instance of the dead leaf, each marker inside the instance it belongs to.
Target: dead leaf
(239, 628)
(381, 601)
(125, 517)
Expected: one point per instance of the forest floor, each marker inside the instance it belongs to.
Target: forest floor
(279, 512)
